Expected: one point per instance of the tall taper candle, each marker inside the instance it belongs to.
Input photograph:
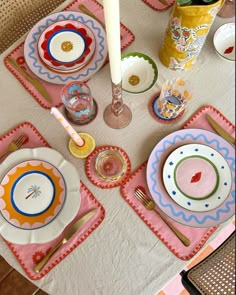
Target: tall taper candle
(112, 23)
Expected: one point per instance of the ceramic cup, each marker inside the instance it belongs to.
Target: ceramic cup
(78, 101)
(174, 96)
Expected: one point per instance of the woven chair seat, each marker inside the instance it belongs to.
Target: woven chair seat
(214, 275)
(18, 16)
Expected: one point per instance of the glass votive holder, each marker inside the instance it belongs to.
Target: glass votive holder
(175, 95)
(227, 10)
(79, 104)
(110, 165)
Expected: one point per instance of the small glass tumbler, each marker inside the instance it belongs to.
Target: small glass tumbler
(78, 102)
(227, 10)
(110, 165)
(174, 96)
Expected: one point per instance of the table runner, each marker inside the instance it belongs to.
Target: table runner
(157, 5)
(197, 236)
(127, 38)
(29, 255)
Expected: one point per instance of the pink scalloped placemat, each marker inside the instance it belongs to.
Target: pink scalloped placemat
(157, 5)
(127, 37)
(28, 255)
(197, 236)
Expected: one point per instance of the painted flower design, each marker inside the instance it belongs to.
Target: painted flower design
(175, 65)
(37, 256)
(180, 35)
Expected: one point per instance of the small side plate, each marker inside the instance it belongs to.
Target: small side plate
(66, 45)
(197, 177)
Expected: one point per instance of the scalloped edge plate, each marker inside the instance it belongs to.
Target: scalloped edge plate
(69, 209)
(32, 194)
(72, 65)
(42, 71)
(156, 187)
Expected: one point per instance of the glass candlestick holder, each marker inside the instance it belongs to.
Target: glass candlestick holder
(117, 115)
(227, 10)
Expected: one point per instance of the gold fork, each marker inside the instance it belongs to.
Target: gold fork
(15, 144)
(150, 205)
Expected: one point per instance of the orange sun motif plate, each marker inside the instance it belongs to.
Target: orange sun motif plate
(32, 194)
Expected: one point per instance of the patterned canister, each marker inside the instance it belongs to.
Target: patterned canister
(186, 33)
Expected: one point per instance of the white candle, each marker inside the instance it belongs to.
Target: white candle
(112, 23)
(70, 130)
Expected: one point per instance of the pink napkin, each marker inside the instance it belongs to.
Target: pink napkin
(157, 5)
(197, 236)
(127, 38)
(29, 255)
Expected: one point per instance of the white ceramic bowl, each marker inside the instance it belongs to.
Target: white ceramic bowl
(224, 41)
(139, 72)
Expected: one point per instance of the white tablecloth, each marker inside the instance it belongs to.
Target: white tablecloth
(123, 256)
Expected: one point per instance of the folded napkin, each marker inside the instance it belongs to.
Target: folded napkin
(159, 5)
(127, 38)
(28, 255)
(197, 236)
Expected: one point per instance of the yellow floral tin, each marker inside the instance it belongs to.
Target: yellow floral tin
(186, 33)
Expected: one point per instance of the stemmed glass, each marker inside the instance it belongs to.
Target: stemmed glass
(117, 115)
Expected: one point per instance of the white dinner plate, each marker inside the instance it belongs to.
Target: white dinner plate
(197, 177)
(69, 209)
(157, 189)
(32, 194)
(38, 67)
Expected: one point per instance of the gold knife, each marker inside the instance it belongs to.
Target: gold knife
(68, 234)
(164, 2)
(220, 130)
(35, 82)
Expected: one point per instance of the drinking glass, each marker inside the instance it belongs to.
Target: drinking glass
(174, 96)
(110, 165)
(227, 10)
(78, 102)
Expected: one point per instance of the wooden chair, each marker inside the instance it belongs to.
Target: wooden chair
(215, 274)
(18, 17)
